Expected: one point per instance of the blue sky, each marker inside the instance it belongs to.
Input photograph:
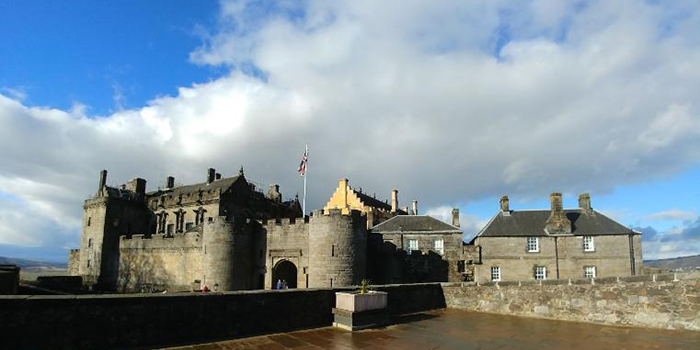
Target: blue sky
(454, 104)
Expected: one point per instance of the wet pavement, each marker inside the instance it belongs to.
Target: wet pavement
(456, 329)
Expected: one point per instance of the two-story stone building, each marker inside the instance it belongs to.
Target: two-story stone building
(556, 244)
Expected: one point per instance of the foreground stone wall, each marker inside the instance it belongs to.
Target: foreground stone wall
(659, 301)
(159, 320)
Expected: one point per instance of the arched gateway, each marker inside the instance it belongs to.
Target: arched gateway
(285, 270)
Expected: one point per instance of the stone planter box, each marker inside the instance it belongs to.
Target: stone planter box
(355, 311)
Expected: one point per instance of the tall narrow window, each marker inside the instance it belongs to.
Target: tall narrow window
(333, 250)
(588, 245)
(589, 272)
(439, 246)
(533, 244)
(460, 266)
(88, 263)
(89, 221)
(412, 245)
(495, 273)
(89, 242)
(540, 273)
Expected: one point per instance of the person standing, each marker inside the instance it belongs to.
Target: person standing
(279, 284)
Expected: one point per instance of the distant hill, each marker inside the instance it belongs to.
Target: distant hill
(685, 262)
(32, 264)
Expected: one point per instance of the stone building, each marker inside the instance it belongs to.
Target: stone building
(225, 234)
(556, 244)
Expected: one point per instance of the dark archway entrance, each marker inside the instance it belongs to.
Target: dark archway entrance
(285, 270)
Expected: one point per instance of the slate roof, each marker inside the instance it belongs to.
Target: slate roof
(223, 184)
(531, 223)
(371, 201)
(414, 223)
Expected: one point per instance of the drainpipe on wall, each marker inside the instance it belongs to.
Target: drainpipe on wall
(556, 254)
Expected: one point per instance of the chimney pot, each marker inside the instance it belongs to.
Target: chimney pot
(211, 174)
(505, 204)
(584, 202)
(103, 180)
(455, 217)
(415, 207)
(394, 200)
(170, 182)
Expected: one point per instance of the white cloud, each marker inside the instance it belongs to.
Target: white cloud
(407, 94)
(470, 224)
(673, 215)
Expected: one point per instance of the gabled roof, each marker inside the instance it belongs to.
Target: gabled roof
(371, 201)
(414, 223)
(224, 184)
(532, 222)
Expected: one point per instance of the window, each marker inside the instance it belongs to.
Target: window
(188, 226)
(89, 242)
(412, 245)
(540, 273)
(495, 273)
(588, 245)
(88, 263)
(333, 250)
(460, 266)
(589, 272)
(171, 227)
(439, 246)
(89, 221)
(533, 244)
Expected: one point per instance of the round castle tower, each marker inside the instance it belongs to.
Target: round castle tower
(337, 248)
(226, 255)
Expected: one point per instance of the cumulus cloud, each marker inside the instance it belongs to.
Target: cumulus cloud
(449, 102)
(469, 224)
(678, 241)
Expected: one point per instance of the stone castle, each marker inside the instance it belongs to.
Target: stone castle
(227, 235)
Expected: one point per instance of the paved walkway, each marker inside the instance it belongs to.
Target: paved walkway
(456, 329)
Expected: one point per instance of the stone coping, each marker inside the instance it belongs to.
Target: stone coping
(580, 281)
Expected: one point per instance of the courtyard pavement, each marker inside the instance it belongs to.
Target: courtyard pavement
(456, 329)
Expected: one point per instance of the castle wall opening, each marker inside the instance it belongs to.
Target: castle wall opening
(286, 271)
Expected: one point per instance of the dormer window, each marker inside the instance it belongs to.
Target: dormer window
(533, 244)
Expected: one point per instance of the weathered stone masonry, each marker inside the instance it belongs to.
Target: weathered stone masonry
(658, 301)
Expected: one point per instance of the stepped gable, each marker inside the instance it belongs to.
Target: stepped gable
(532, 223)
(414, 223)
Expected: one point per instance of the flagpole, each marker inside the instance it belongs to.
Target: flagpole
(306, 173)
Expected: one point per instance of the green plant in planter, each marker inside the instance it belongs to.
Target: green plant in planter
(364, 286)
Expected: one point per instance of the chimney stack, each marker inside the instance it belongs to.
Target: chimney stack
(103, 179)
(415, 207)
(394, 200)
(343, 187)
(211, 174)
(455, 217)
(557, 223)
(505, 205)
(584, 202)
(170, 182)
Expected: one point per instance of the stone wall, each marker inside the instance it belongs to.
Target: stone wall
(74, 262)
(158, 320)
(659, 301)
(286, 239)
(9, 279)
(157, 262)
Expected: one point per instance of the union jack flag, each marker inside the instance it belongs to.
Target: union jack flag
(304, 159)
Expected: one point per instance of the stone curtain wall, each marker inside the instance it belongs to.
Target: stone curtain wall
(660, 301)
(159, 320)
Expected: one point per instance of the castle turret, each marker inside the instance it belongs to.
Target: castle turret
(226, 259)
(337, 248)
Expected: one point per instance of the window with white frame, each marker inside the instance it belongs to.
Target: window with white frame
(412, 245)
(439, 246)
(495, 273)
(589, 272)
(588, 245)
(533, 244)
(540, 273)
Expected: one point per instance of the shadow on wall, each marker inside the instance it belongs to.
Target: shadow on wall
(398, 266)
(142, 273)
